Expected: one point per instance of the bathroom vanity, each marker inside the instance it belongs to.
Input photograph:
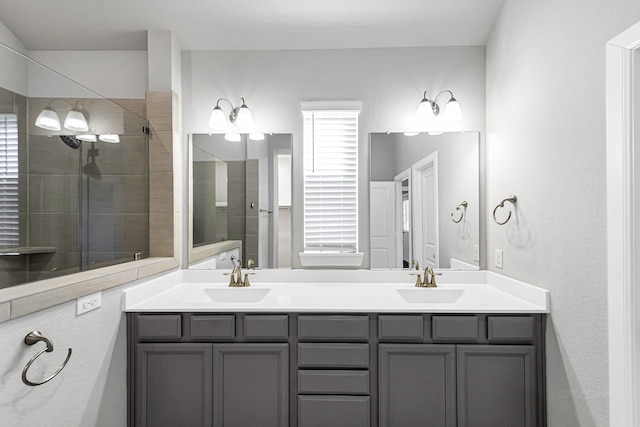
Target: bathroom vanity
(281, 354)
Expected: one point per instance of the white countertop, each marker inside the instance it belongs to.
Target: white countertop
(334, 291)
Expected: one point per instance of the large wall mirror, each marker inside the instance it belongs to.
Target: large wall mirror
(73, 176)
(241, 199)
(424, 200)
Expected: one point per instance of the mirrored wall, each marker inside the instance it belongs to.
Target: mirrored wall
(73, 176)
(241, 198)
(424, 200)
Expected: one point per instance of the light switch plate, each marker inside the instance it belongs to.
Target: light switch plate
(498, 258)
(476, 253)
(88, 303)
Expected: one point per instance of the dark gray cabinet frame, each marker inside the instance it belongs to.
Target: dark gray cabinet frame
(495, 331)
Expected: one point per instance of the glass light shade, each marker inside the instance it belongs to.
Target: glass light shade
(217, 120)
(244, 120)
(48, 119)
(87, 138)
(76, 121)
(411, 133)
(256, 136)
(233, 137)
(111, 138)
(425, 112)
(452, 112)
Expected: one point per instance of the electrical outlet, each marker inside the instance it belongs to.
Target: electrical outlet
(498, 258)
(476, 253)
(88, 303)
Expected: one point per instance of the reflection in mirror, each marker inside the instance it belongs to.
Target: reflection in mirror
(241, 193)
(73, 176)
(419, 186)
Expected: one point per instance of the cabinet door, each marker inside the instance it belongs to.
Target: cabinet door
(251, 385)
(496, 386)
(173, 385)
(333, 411)
(417, 385)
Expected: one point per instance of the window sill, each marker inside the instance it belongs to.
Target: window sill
(327, 259)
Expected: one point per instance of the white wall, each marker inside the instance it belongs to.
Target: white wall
(389, 82)
(90, 391)
(112, 74)
(14, 67)
(546, 144)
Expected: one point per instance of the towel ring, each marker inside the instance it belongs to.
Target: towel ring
(513, 199)
(32, 338)
(464, 205)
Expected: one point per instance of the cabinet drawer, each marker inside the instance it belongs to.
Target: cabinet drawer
(261, 327)
(159, 327)
(400, 327)
(455, 328)
(209, 327)
(333, 328)
(507, 329)
(333, 382)
(333, 355)
(334, 411)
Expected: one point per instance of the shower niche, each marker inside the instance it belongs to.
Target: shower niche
(70, 199)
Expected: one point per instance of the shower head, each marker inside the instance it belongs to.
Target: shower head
(71, 141)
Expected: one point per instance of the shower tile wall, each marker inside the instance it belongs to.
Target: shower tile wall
(236, 201)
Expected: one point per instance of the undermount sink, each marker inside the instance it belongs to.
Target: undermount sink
(430, 295)
(239, 295)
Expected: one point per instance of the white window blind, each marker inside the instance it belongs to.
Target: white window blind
(330, 181)
(9, 210)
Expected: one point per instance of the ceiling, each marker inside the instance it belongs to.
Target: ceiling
(249, 24)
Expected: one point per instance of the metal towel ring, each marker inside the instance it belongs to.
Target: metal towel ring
(513, 199)
(464, 205)
(32, 338)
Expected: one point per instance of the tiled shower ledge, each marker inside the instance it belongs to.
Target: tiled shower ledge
(25, 299)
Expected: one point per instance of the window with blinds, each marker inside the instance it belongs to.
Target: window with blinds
(330, 146)
(9, 210)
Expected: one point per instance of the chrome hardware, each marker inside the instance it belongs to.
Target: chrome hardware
(512, 199)
(31, 339)
(458, 208)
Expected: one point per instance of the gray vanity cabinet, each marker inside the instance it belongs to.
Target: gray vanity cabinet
(336, 370)
(173, 385)
(496, 386)
(250, 385)
(417, 385)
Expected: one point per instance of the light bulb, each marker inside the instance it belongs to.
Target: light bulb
(217, 120)
(48, 119)
(425, 112)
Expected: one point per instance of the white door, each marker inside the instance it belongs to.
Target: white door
(425, 211)
(382, 198)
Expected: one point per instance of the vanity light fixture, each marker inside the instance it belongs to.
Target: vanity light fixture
(232, 137)
(256, 136)
(111, 138)
(87, 138)
(74, 121)
(48, 119)
(240, 116)
(429, 110)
